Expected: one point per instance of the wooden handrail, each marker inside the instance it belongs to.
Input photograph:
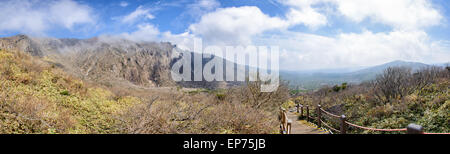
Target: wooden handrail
(286, 123)
(319, 122)
(289, 126)
(411, 129)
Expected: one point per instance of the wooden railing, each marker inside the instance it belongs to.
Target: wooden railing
(344, 123)
(286, 123)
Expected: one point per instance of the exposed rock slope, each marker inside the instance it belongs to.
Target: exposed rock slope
(102, 60)
(109, 61)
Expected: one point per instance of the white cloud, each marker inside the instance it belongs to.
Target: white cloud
(145, 32)
(123, 4)
(234, 25)
(68, 13)
(302, 12)
(200, 7)
(309, 51)
(183, 41)
(34, 17)
(149, 33)
(306, 16)
(138, 13)
(400, 14)
(205, 4)
(194, 11)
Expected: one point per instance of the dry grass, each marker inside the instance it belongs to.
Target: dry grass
(239, 110)
(203, 117)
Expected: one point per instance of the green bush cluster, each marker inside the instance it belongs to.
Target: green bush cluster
(337, 88)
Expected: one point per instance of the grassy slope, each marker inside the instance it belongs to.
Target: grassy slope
(36, 97)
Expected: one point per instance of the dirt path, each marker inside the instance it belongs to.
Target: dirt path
(301, 126)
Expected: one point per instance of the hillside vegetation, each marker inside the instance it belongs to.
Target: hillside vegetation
(396, 98)
(38, 97)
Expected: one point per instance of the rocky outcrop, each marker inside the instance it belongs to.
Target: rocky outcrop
(20, 43)
(108, 60)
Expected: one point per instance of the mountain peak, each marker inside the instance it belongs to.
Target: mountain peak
(20, 42)
(21, 36)
(403, 63)
(398, 61)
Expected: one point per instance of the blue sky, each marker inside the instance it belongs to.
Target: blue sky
(312, 34)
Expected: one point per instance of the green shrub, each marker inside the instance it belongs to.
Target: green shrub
(65, 93)
(220, 96)
(336, 88)
(344, 86)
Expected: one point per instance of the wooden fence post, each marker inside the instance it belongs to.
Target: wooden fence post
(343, 125)
(301, 111)
(284, 120)
(414, 129)
(318, 116)
(281, 129)
(307, 113)
(289, 126)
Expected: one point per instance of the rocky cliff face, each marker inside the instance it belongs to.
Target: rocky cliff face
(108, 60)
(146, 64)
(20, 43)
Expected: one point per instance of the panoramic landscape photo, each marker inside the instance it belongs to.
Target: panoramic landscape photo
(225, 67)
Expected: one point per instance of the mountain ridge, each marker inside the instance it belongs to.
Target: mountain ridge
(316, 80)
(110, 61)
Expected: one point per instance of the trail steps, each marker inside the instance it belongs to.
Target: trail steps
(302, 126)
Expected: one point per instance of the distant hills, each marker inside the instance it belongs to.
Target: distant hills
(379, 68)
(311, 80)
